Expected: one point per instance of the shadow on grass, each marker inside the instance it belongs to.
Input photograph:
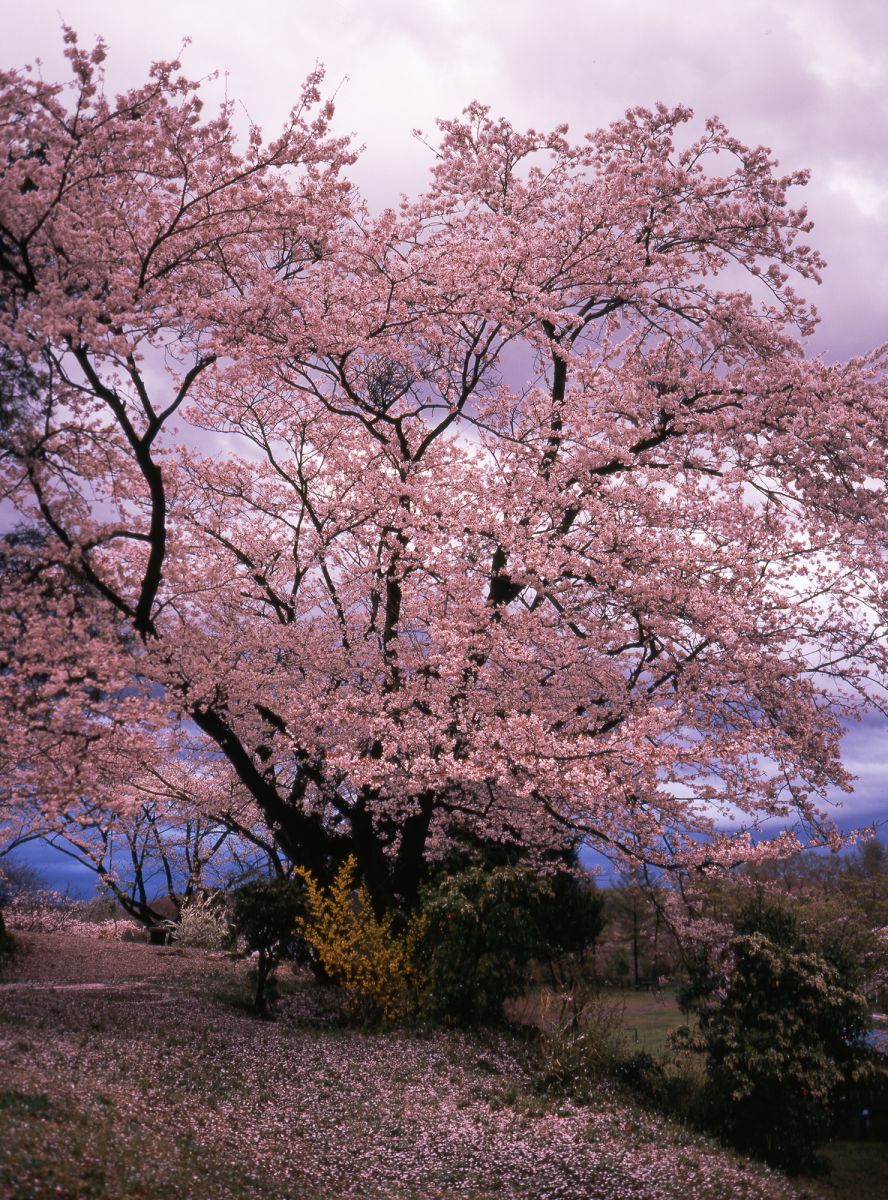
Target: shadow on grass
(857, 1171)
(47, 1151)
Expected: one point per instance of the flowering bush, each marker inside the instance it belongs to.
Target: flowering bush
(48, 911)
(375, 966)
(203, 924)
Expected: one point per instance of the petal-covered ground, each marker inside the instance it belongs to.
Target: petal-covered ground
(128, 1072)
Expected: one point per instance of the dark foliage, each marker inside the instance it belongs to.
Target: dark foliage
(485, 926)
(265, 913)
(7, 944)
(782, 1024)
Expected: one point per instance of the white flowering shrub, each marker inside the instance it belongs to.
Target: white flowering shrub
(203, 925)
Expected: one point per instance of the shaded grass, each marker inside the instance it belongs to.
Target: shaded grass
(47, 1150)
(646, 1020)
(25, 1105)
(649, 1019)
(858, 1171)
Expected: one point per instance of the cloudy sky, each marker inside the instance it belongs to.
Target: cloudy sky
(808, 78)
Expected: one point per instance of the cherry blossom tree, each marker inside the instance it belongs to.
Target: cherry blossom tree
(165, 834)
(517, 513)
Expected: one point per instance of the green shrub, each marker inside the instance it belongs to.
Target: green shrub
(782, 1027)
(265, 915)
(569, 919)
(7, 942)
(484, 926)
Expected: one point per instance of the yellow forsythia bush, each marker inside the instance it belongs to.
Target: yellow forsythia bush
(376, 969)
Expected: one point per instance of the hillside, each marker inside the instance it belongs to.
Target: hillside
(131, 1074)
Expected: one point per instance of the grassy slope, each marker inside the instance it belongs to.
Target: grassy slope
(154, 1086)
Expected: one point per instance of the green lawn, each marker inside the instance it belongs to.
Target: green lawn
(649, 1018)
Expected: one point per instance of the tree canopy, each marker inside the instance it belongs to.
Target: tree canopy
(516, 513)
